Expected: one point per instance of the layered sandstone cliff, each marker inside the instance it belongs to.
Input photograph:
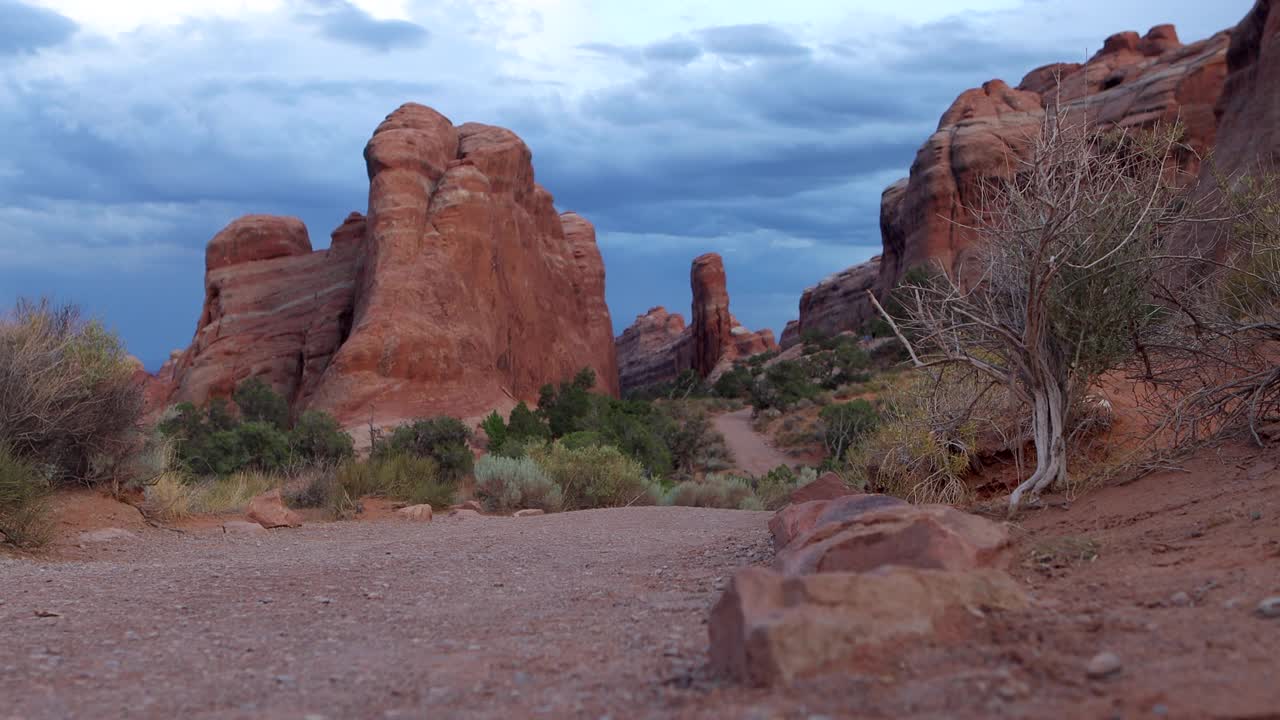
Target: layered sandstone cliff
(659, 346)
(1134, 81)
(461, 291)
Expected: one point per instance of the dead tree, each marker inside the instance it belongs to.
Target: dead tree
(1060, 286)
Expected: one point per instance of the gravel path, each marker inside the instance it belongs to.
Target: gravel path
(571, 615)
(750, 450)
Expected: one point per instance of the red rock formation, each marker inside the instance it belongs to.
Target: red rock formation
(462, 290)
(658, 347)
(826, 306)
(1132, 82)
(1247, 113)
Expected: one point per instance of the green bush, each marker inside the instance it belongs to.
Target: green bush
(783, 385)
(715, 491)
(495, 428)
(442, 439)
(507, 484)
(596, 477)
(734, 383)
(845, 424)
(583, 439)
(317, 437)
(68, 401)
(525, 425)
(24, 493)
(259, 403)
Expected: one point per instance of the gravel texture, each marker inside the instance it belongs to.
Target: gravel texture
(570, 615)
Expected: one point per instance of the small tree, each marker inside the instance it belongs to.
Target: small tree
(1064, 282)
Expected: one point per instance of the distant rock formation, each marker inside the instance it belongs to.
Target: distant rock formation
(1132, 82)
(461, 291)
(659, 346)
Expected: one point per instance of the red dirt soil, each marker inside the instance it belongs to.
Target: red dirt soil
(603, 613)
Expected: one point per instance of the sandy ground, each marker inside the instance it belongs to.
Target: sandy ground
(750, 453)
(602, 614)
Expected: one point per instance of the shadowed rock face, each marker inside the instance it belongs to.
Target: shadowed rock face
(461, 291)
(658, 346)
(1134, 81)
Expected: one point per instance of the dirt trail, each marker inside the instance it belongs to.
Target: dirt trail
(569, 615)
(602, 614)
(751, 451)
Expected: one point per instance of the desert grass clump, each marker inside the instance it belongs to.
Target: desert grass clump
(169, 497)
(401, 476)
(505, 484)
(24, 502)
(233, 493)
(596, 477)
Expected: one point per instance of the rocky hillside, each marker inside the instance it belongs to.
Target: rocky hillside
(461, 291)
(1134, 81)
(659, 346)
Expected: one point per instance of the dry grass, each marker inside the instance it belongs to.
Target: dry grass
(232, 493)
(169, 498)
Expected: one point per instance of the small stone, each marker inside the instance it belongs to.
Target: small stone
(417, 513)
(324, 600)
(1255, 516)
(1180, 599)
(1160, 710)
(242, 527)
(1104, 664)
(531, 512)
(1269, 608)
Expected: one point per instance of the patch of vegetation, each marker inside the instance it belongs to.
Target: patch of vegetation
(24, 494)
(845, 424)
(596, 477)
(504, 485)
(68, 402)
(216, 440)
(444, 440)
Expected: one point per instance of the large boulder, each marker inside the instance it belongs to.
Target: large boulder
(934, 537)
(772, 629)
(462, 290)
(658, 346)
(269, 511)
(802, 517)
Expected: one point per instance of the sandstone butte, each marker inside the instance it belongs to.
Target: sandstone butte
(1133, 81)
(659, 346)
(462, 290)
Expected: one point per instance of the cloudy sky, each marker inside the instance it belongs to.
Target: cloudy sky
(133, 130)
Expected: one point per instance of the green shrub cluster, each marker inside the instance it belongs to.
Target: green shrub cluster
(846, 424)
(217, 441)
(666, 438)
(596, 477)
(445, 440)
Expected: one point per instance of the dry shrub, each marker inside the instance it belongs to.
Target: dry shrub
(68, 401)
(506, 484)
(169, 498)
(233, 492)
(934, 427)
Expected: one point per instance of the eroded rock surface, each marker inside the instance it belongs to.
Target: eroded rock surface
(462, 290)
(659, 346)
(1134, 81)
